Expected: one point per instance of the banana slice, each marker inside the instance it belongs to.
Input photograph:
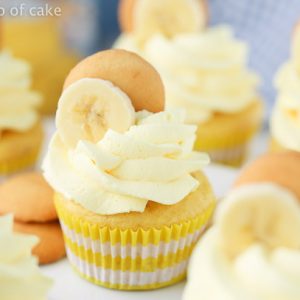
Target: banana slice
(262, 213)
(166, 17)
(89, 107)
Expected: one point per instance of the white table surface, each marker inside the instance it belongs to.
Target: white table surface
(68, 285)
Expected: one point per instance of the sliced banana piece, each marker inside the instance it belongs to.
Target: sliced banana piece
(167, 17)
(262, 213)
(89, 107)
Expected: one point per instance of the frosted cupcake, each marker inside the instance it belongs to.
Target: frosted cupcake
(285, 120)
(20, 275)
(142, 19)
(20, 126)
(131, 196)
(253, 249)
(211, 82)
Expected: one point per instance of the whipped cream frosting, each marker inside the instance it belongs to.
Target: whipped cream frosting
(203, 73)
(18, 103)
(258, 271)
(285, 120)
(153, 160)
(19, 272)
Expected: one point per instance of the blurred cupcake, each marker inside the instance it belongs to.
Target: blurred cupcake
(141, 19)
(213, 85)
(20, 275)
(20, 125)
(285, 120)
(131, 196)
(211, 82)
(253, 249)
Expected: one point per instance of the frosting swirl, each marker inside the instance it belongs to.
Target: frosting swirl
(285, 120)
(19, 272)
(153, 160)
(18, 103)
(200, 75)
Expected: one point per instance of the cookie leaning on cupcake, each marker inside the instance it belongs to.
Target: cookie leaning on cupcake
(285, 120)
(128, 183)
(253, 249)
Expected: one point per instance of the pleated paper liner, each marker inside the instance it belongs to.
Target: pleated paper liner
(227, 138)
(130, 259)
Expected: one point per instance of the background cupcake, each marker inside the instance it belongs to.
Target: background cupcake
(20, 125)
(285, 120)
(141, 20)
(211, 82)
(253, 249)
(131, 197)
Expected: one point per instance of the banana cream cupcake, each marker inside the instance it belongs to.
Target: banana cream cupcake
(130, 194)
(214, 86)
(210, 82)
(142, 19)
(253, 249)
(285, 120)
(21, 132)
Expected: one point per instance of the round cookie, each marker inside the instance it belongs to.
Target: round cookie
(51, 246)
(126, 70)
(29, 197)
(127, 8)
(282, 168)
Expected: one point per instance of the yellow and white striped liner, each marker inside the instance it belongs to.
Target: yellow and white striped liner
(130, 259)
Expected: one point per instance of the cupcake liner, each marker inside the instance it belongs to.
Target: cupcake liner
(19, 163)
(226, 137)
(130, 259)
(234, 156)
(229, 148)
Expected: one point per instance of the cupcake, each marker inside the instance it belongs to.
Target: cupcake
(253, 249)
(141, 19)
(130, 194)
(210, 82)
(285, 119)
(20, 125)
(20, 275)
